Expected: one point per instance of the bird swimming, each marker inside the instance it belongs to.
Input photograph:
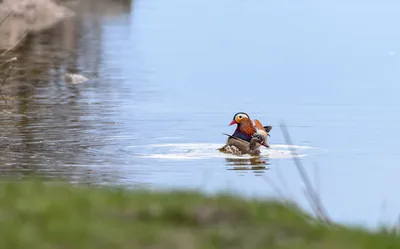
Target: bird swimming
(248, 137)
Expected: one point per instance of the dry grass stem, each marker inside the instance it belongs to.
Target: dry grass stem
(317, 178)
(396, 225)
(20, 39)
(9, 61)
(314, 199)
(5, 18)
(6, 75)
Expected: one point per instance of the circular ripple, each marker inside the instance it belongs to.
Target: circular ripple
(192, 151)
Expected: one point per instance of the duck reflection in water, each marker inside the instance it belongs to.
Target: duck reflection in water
(254, 163)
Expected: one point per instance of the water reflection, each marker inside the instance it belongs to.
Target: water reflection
(258, 166)
(247, 161)
(48, 124)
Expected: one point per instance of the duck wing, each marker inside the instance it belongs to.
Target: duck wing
(260, 128)
(258, 125)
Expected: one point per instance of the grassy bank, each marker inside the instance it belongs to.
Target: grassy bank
(38, 215)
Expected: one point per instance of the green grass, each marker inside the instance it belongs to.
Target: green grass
(42, 215)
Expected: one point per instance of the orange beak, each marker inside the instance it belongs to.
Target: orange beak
(233, 122)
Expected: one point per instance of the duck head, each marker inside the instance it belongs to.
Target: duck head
(256, 141)
(239, 117)
(245, 128)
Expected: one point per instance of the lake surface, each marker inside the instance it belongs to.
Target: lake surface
(166, 78)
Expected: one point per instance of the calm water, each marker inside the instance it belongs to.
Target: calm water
(166, 79)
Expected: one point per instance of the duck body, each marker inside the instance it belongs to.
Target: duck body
(247, 138)
(237, 146)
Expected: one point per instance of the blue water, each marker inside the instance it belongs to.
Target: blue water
(174, 73)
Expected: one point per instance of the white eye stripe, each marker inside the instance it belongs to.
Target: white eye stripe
(241, 116)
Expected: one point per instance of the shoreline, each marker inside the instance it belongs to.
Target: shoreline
(39, 214)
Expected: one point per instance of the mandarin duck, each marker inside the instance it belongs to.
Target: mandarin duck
(247, 137)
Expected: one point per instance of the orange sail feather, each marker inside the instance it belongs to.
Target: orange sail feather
(259, 125)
